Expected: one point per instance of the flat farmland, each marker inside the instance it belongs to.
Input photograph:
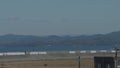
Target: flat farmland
(44, 63)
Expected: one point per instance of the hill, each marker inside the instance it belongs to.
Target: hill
(31, 41)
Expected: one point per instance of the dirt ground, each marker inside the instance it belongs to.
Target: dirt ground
(49, 63)
(46, 63)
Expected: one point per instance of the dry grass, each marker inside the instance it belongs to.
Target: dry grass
(87, 63)
(48, 63)
(60, 63)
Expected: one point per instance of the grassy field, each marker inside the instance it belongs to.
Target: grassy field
(46, 63)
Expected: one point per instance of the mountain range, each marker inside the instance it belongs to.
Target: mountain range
(9, 40)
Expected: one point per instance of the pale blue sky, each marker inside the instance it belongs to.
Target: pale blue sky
(59, 17)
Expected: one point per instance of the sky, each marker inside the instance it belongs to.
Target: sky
(59, 17)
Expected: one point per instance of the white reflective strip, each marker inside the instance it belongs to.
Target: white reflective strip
(14, 53)
(83, 51)
(92, 51)
(1, 54)
(34, 53)
(42, 52)
(103, 50)
(72, 52)
(113, 51)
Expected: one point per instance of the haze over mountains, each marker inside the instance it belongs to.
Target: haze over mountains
(31, 41)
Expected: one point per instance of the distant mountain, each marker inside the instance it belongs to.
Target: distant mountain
(31, 41)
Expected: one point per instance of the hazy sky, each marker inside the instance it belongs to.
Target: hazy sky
(59, 17)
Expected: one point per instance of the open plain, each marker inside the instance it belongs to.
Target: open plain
(54, 59)
(48, 63)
